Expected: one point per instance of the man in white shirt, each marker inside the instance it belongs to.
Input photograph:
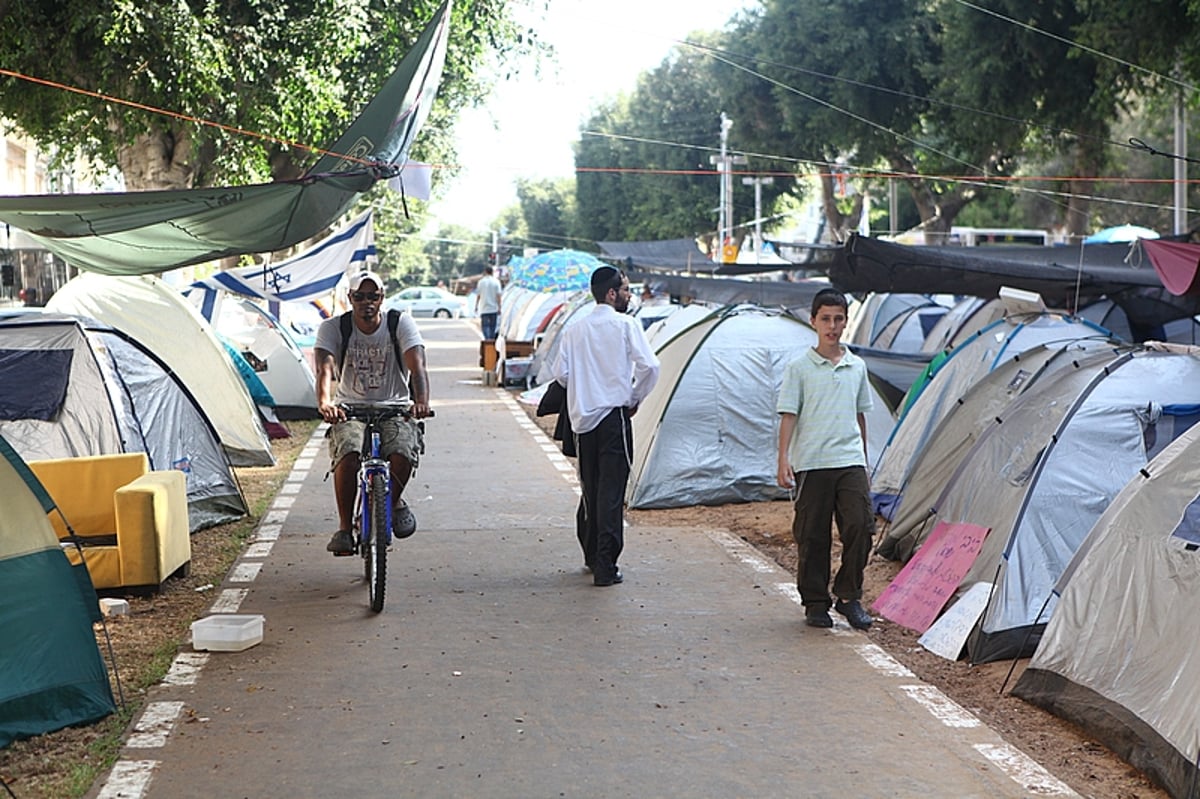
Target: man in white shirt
(607, 368)
(487, 303)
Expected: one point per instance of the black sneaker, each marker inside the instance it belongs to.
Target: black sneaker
(404, 523)
(817, 616)
(342, 543)
(853, 611)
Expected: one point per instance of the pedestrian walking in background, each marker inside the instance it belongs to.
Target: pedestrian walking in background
(487, 303)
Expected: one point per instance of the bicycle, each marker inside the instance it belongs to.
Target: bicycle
(373, 504)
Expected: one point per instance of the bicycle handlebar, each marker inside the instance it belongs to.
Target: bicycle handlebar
(377, 411)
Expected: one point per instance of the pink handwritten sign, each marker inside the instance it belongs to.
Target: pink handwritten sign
(918, 593)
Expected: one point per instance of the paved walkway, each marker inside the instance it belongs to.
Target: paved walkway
(498, 670)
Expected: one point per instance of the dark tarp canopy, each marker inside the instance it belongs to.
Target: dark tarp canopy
(727, 291)
(1057, 273)
(147, 232)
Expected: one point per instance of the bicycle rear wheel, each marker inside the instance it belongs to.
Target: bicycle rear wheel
(375, 548)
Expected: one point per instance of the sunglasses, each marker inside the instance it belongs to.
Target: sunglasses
(363, 296)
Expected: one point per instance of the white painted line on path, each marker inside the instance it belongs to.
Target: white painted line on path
(245, 572)
(185, 669)
(229, 600)
(259, 549)
(940, 706)
(128, 779)
(153, 728)
(1028, 774)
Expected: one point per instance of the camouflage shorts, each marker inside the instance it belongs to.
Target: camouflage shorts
(401, 436)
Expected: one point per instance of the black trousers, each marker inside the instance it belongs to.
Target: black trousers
(824, 496)
(604, 454)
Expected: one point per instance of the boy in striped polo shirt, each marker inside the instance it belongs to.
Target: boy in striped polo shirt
(822, 457)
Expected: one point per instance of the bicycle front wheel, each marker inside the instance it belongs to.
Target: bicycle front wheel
(375, 549)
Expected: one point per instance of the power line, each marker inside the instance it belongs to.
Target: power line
(1072, 43)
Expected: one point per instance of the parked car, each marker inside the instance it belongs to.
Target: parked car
(429, 301)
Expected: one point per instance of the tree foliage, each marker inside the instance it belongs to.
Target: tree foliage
(643, 163)
(960, 100)
(294, 71)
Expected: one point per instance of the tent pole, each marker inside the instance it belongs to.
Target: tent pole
(1024, 641)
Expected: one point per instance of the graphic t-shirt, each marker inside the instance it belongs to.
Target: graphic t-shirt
(370, 371)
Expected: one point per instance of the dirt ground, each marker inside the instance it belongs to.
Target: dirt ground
(65, 763)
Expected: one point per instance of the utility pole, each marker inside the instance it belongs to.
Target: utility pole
(1181, 168)
(758, 183)
(724, 161)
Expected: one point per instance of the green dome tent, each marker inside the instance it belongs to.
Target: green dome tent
(51, 672)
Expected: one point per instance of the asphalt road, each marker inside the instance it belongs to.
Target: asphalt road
(498, 670)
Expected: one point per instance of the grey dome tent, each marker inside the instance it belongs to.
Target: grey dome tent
(1119, 655)
(967, 363)
(1046, 468)
(708, 432)
(965, 421)
(111, 395)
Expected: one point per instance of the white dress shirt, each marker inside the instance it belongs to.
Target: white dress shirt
(605, 362)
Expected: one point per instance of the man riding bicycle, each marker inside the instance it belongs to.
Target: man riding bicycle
(370, 361)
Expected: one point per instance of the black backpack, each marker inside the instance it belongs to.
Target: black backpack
(346, 321)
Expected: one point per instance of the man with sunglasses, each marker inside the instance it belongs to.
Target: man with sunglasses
(372, 364)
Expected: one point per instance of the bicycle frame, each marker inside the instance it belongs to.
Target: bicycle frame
(373, 504)
(370, 464)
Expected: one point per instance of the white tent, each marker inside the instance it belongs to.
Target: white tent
(577, 307)
(968, 316)
(1119, 656)
(270, 351)
(114, 397)
(1046, 468)
(161, 320)
(974, 358)
(708, 432)
(966, 420)
(896, 322)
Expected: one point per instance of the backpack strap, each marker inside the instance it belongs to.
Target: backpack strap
(393, 323)
(346, 322)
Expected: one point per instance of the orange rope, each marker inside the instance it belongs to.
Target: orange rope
(176, 115)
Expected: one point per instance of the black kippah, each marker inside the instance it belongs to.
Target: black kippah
(603, 276)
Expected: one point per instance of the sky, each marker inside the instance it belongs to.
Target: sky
(527, 126)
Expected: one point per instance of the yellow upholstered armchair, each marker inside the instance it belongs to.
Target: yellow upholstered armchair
(131, 522)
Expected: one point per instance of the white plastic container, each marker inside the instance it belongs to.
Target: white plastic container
(227, 632)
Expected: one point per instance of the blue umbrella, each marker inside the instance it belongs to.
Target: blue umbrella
(1111, 235)
(559, 270)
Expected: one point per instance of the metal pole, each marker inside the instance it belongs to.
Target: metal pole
(723, 220)
(893, 206)
(758, 183)
(1181, 170)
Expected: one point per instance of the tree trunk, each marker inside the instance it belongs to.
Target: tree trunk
(838, 224)
(158, 160)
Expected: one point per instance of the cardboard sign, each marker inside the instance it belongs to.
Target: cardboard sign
(948, 635)
(918, 593)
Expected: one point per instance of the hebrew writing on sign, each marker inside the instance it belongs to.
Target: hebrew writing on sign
(918, 593)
